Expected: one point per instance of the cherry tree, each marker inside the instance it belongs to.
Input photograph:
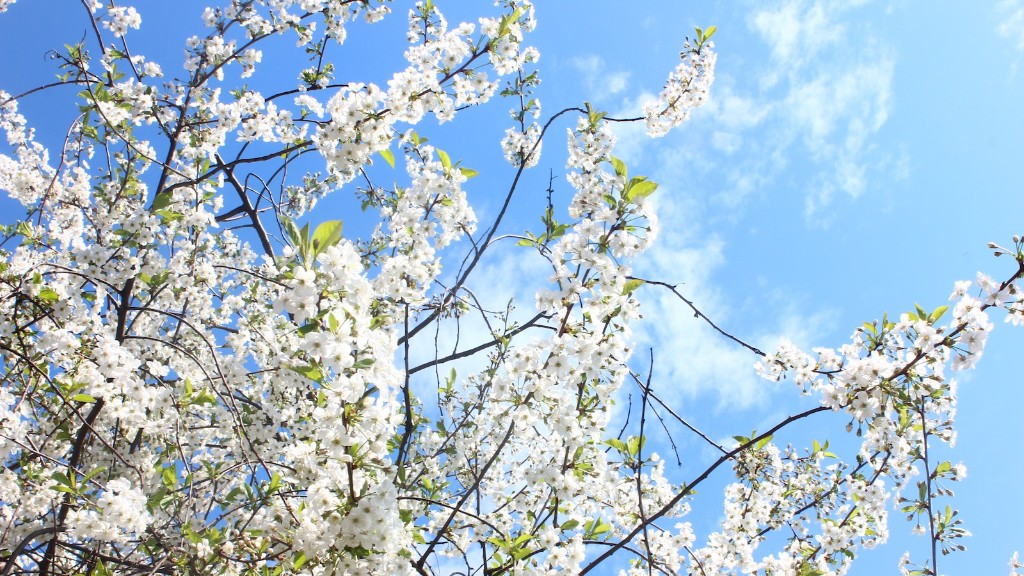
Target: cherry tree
(201, 377)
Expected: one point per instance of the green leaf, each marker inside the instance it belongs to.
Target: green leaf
(83, 398)
(299, 560)
(169, 478)
(631, 285)
(469, 173)
(156, 279)
(600, 527)
(593, 115)
(388, 156)
(363, 363)
(634, 444)
(506, 20)
(937, 313)
(617, 444)
(569, 525)
(291, 230)
(619, 165)
(709, 33)
(326, 235)
(205, 396)
(641, 189)
(168, 215)
(63, 479)
(762, 442)
(311, 372)
(47, 294)
(161, 201)
(93, 473)
(446, 162)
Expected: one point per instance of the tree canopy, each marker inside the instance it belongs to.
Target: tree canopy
(204, 374)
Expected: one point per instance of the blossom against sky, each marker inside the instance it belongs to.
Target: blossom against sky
(855, 158)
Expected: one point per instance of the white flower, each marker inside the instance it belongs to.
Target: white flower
(120, 18)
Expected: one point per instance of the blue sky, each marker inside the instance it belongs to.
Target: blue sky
(855, 158)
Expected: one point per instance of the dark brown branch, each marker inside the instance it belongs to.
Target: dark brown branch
(698, 314)
(471, 351)
(12, 558)
(478, 254)
(688, 488)
(247, 207)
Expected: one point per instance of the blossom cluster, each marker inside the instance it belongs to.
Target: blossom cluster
(687, 88)
(891, 382)
(544, 405)
(239, 409)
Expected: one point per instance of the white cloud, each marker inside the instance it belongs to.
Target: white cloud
(824, 100)
(694, 361)
(600, 82)
(734, 114)
(631, 137)
(1011, 21)
(795, 32)
(836, 114)
(726, 141)
(737, 112)
(815, 123)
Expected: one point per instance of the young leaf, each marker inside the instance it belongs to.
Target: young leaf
(937, 313)
(632, 285)
(291, 230)
(641, 190)
(161, 201)
(593, 116)
(48, 295)
(326, 235)
(620, 166)
(617, 444)
(446, 162)
(311, 372)
(388, 156)
(762, 442)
